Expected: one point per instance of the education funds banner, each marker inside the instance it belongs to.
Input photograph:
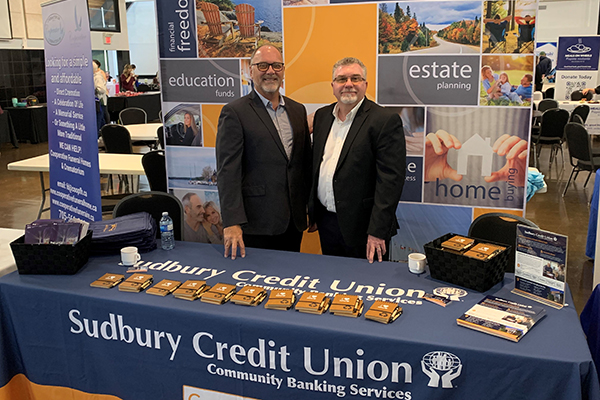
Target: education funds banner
(459, 73)
(72, 133)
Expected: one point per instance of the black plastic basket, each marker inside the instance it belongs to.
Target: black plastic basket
(465, 271)
(51, 259)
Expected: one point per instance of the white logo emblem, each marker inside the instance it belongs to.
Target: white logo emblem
(451, 293)
(442, 363)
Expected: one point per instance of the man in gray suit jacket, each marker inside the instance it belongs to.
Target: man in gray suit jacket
(263, 163)
(359, 167)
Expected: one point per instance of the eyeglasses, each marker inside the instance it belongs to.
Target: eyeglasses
(344, 79)
(264, 66)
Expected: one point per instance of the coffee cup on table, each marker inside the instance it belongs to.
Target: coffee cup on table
(416, 263)
(129, 256)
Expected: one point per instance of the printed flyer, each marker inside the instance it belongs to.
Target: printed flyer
(541, 270)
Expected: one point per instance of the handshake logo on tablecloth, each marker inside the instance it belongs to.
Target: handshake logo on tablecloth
(441, 364)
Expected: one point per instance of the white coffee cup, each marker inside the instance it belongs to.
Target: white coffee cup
(130, 255)
(416, 263)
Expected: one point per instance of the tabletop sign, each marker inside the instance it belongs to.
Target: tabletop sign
(541, 268)
(72, 132)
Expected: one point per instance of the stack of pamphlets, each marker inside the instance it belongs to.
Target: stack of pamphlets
(503, 318)
(108, 281)
(281, 299)
(164, 287)
(313, 303)
(346, 305)
(484, 251)
(191, 290)
(249, 296)
(110, 236)
(383, 312)
(136, 283)
(218, 294)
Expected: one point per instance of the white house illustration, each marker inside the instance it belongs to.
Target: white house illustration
(476, 146)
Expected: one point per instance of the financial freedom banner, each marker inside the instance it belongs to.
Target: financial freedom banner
(72, 135)
(459, 69)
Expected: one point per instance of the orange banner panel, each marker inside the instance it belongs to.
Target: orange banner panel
(317, 37)
(210, 121)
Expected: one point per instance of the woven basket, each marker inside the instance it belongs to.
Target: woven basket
(465, 271)
(51, 259)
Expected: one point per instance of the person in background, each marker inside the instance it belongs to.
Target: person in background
(542, 69)
(100, 91)
(213, 223)
(359, 162)
(263, 163)
(193, 231)
(127, 79)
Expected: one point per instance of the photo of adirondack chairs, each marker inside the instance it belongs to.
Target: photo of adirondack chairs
(226, 29)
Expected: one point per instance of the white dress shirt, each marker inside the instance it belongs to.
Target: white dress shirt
(331, 155)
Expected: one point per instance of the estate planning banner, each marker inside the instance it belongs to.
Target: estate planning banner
(457, 72)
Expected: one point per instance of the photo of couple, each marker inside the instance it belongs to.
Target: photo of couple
(506, 81)
(202, 216)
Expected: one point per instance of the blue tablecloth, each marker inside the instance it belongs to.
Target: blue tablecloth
(58, 331)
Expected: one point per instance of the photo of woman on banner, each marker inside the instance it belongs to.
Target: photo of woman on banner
(183, 125)
(476, 156)
(213, 223)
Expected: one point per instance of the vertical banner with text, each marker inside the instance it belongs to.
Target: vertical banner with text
(72, 136)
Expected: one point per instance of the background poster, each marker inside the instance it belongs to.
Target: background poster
(72, 132)
(576, 64)
(424, 60)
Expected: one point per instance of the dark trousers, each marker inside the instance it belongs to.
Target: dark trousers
(332, 241)
(290, 240)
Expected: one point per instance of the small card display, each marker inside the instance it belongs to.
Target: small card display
(384, 312)
(249, 296)
(108, 281)
(164, 287)
(281, 299)
(218, 294)
(136, 283)
(439, 300)
(313, 303)
(346, 305)
(191, 290)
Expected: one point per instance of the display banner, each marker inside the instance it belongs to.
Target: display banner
(72, 133)
(576, 64)
(541, 266)
(457, 72)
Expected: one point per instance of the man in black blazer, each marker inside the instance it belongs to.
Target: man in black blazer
(263, 163)
(359, 162)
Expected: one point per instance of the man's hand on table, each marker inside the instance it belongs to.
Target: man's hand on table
(233, 239)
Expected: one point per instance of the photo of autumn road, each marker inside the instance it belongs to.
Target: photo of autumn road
(432, 27)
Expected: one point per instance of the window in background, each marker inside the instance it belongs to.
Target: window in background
(104, 15)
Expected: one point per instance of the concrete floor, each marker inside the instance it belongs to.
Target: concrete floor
(20, 200)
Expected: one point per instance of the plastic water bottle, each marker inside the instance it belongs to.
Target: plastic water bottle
(167, 240)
